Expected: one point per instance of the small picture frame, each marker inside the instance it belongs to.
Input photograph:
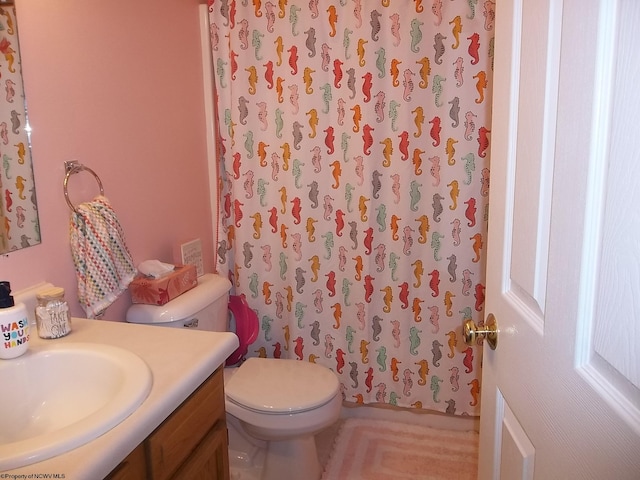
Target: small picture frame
(191, 254)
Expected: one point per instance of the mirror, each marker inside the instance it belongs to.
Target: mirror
(19, 225)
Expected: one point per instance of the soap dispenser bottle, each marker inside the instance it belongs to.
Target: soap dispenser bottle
(14, 325)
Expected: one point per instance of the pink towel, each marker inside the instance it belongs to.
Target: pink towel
(104, 267)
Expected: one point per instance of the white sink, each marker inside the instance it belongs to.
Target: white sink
(57, 397)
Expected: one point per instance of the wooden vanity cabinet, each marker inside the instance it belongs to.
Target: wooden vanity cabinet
(190, 444)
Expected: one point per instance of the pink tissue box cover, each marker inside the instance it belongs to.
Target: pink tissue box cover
(161, 290)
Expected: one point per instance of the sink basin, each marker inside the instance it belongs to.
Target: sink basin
(57, 397)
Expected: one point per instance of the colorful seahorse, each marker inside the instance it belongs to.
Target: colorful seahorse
(382, 358)
(468, 359)
(395, 28)
(483, 141)
(456, 30)
(474, 391)
(381, 61)
(470, 211)
(437, 88)
(469, 125)
(454, 111)
(436, 237)
(407, 83)
(308, 80)
(376, 327)
(469, 167)
(367, 139)
(472, 7)
(351, 82)
(393, 265)
(327, 96)
(481, 85)
(407, 381)
(448, 303)
(458, 71)
(364, 351)
(328, 244)
(418, 272)
(454, 192)
(293, 19)
(393, 114)
(436, 9)
(256, 43)
(418, 120)
(423, 371)
(434, 170)
(451, 268)
(435, 130)
(452, 343)
(346, 42)
(414, 193)
(434, 319)
(361, 52)
(479, 296)
(477, 247)
(293, 59)
(220, 65)
(484, 181)
(435, 387)
(425, 71)
(368, 381)
(416, 35)
(344, 146)
(332, 19)
(310, 42)
(450, 150)
(423, 228)
(375, 24)
(414, 340)
(354, 373)
(266, 327)
(474, 46)
(439, 48)
(434, 283)
(394, 368)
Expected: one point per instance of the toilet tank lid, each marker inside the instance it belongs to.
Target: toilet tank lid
(210, 288)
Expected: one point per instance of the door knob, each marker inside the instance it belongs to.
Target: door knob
(489, 333)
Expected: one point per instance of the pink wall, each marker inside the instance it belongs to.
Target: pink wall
(116, 85)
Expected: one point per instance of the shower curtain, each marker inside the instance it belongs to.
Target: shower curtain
(354, 176)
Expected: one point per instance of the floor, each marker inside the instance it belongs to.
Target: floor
(325, 439)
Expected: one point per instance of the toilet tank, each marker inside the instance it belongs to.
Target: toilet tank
(204, 307)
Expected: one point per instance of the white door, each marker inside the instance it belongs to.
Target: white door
(560, 394)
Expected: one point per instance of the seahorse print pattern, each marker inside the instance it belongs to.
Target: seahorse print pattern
(354, 173)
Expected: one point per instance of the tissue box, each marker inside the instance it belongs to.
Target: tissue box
(158, 291)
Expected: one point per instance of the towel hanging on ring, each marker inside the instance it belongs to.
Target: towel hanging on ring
(104, 267)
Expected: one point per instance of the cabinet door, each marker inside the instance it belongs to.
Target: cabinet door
(180, 435)
(210, 461)
(134, 467)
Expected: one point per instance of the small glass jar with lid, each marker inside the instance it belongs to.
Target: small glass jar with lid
(52, 313)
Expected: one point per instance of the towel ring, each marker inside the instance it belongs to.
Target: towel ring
(71, 167)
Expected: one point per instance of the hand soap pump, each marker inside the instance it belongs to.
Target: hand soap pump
(14, 325)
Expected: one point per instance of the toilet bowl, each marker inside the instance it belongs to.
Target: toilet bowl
(275, 406)
(284, 403)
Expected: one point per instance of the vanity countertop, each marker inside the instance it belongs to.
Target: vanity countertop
(179, 359)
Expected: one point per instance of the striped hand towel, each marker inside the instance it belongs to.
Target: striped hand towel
(104, 267)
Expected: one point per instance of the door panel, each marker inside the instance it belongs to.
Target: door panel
(534, 164)
(608, 348)
(560, 393)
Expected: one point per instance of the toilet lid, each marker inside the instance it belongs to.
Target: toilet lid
(272, 385)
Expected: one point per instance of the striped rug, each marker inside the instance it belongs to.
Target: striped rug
(377, 449)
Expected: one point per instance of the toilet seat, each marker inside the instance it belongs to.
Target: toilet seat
(278, 386)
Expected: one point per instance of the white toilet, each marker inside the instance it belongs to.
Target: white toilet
(274, 406)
